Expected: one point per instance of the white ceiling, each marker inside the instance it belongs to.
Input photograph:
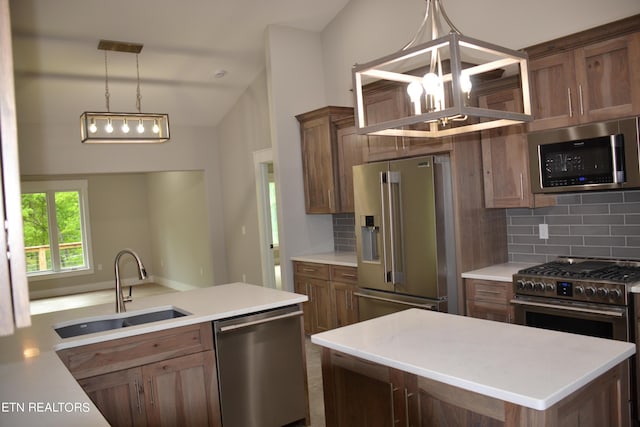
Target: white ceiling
(60, 72)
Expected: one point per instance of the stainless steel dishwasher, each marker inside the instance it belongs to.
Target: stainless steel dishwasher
(261, 369)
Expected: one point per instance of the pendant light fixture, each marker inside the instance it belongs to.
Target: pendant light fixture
(108, 127)
(437, 78)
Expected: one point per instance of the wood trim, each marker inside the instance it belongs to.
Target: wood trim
(108, 356)
(583, 38)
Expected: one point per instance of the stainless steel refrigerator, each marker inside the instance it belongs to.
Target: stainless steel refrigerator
(404, 236)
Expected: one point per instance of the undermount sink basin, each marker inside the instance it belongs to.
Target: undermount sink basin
(117, 321)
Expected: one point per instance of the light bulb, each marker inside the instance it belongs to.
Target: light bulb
(415, 92)
(465, 83)
(125, 126)
(431, 83)
(109, 127)
(140, 127)
(155, 128)
(92, 126)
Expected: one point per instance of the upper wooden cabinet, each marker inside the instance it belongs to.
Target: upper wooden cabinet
(599, 81)
(328, 152)
(505, 158)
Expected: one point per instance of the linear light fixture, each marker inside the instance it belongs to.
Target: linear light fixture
(125, 128)
(440, 99)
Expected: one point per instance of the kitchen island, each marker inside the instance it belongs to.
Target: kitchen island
(38, 389)
(420, 366)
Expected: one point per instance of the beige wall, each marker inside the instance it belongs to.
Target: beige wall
(162, 216)
(178, 229)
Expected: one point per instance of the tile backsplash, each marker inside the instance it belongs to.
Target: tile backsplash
(344, 232)
(603, 224)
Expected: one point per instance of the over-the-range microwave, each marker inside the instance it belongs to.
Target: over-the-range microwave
(596, 156)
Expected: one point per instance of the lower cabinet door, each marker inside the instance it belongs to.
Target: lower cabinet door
(182, 391)
(118, 396)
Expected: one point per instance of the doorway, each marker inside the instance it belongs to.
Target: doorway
(268, 218)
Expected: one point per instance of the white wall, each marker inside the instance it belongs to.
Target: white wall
(296, 84)
(242, 131)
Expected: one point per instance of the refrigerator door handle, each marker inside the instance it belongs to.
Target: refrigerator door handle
(395, 225)
(383, 226)
(395, 301)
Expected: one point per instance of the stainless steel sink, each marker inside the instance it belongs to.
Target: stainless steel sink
(117, 321)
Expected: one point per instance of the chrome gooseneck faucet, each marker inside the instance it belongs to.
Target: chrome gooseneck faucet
(142, 274)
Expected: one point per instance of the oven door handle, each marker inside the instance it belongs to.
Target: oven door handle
(610, 313)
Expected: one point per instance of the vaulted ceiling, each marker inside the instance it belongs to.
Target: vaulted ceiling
(60, 72)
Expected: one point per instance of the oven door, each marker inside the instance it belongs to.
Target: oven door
(596, 320)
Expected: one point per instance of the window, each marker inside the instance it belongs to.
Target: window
(56, 228)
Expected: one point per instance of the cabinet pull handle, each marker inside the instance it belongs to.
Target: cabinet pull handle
(151, 393)
(392, 390)
(407, 396)
(349, 275)
(330, 200)
(521, 186)
(138, 391)
(309, 270)
(580, 97)
(569, 98)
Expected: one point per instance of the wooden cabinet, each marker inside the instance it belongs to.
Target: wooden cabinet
(164, 378)
(344, 282)
(359, 393)
(599, 81)
(488, 299)
(326, 155)
(350, 150)
(312, 279)
(330, 290)
(505, 158)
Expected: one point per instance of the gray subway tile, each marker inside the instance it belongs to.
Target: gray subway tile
(589, 209)
(603, 219)
(632, 219)
(551, 249)
(604, 197)
(568, 199)
(625, 208)
(521, 249)
(527, 220)
(519, 212)
(520, 229)
(564, 219)
(604, 241)
(626, 252)
(552, 210)
(565, 240)
(632, 196)
(559, 230)
(625, 230)
(538, 259)
(533, 240)
(591, 251)
(633, 241)
(589, 230)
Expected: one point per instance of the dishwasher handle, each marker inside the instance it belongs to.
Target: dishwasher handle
(230, 328)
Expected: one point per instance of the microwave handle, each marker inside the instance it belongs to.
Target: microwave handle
(617, 150)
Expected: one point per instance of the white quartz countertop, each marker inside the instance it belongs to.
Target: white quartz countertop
(498, 272)
(347, 259)
(527, 366)
(37, 389)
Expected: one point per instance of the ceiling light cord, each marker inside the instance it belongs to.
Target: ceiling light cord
(106, 82)
(138, 93)
(434, 7)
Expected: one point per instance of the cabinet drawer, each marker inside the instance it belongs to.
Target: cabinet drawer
(311, 269)
(345, 274)
(114, 355)
(488, 290)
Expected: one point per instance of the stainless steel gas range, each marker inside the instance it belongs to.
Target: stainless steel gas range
(581, 295)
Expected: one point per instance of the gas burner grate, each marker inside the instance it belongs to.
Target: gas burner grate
(591, 270)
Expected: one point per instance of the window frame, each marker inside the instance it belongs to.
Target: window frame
(50, 188)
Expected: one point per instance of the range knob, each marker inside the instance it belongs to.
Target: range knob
(590, 291)
(520, 284)
(538, 286)
(550, 287)
(579, 290)
(615, 293)
(603, 292)
(528, 285)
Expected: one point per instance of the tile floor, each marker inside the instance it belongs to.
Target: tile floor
(314, 371)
